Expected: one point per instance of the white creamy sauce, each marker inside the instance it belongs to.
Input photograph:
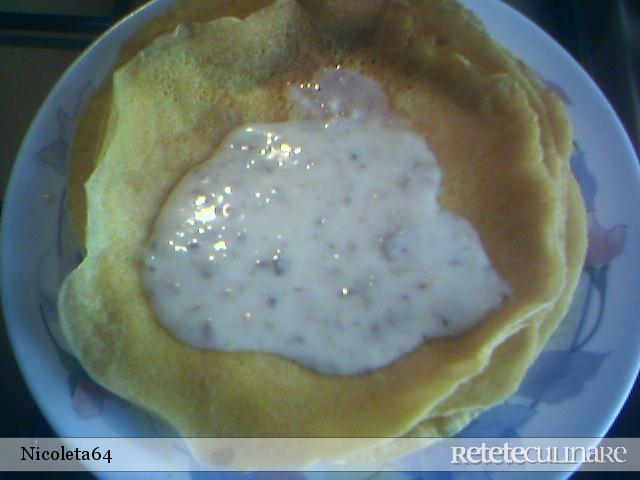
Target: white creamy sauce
(320, 240)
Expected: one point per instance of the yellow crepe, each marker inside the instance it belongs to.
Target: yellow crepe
(510, 360)
(500, 144)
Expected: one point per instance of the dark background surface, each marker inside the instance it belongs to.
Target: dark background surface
(38, 40)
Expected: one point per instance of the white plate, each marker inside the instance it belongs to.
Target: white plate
(575, 389)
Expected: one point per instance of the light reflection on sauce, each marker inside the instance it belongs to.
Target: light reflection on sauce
(319, 239)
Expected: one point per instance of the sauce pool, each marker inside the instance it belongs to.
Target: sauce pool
(319, 239)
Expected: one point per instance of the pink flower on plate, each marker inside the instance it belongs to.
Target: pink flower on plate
(88, 398)
(604, 245)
